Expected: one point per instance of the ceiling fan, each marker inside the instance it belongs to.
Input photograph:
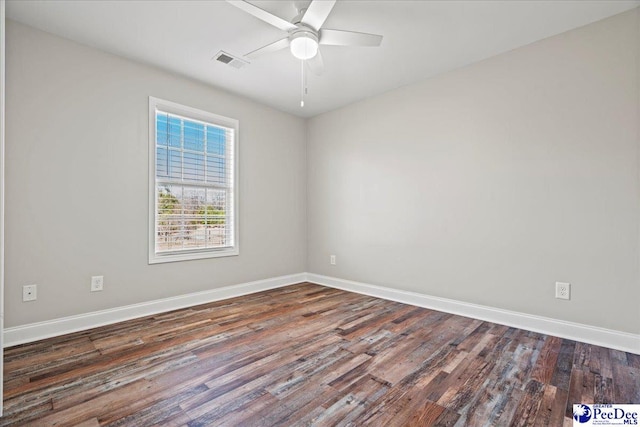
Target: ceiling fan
(306, 32)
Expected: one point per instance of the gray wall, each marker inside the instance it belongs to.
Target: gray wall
(490, 183)
(77, 182)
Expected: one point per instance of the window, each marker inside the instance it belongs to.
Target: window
(192, 175)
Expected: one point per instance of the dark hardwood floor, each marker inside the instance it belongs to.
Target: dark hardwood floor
(310, 355)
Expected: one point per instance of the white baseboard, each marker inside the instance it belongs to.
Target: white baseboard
(575, 331)
(37, 331)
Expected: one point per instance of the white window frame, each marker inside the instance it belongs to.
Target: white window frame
(156, 104)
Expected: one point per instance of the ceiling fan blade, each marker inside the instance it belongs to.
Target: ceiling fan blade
(317, 13)
(316, 65)
(349, 38)
(263, 15)
(272, 47)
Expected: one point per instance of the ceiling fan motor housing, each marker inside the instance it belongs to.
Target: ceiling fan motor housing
(304, 42)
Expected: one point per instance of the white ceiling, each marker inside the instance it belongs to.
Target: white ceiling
(421, 39)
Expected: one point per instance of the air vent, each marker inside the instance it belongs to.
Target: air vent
(224, 58)
(228, 59)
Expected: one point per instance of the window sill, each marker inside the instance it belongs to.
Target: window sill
(189, 256)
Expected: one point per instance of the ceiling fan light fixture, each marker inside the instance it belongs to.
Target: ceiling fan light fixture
(304, 45)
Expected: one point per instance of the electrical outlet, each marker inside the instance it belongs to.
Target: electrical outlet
(332, 259)
(29, 293)
(563, 290)
(97, 283)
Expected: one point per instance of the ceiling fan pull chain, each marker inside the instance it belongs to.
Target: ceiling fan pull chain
(303, 89)
(306, 78)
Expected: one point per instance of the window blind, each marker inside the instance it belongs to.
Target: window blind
(194, 208)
